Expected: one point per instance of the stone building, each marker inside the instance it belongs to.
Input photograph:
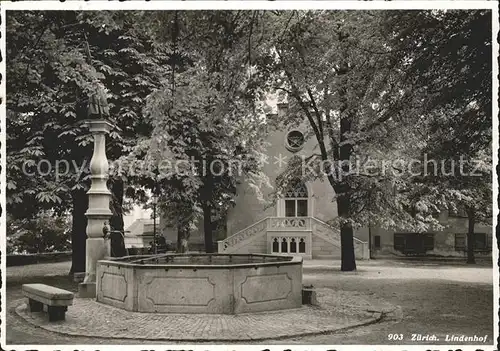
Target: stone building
(452, 241)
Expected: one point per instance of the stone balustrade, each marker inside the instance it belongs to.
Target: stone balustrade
(242, 235)
(287, 223)
(266, 224)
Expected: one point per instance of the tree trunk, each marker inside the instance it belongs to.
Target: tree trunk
(348, 260)
(182, 239)
(206, 199)
(207, 227)
(116, 221)
(117, 193)
(78, 231)
(370, 242)
(180, 236)
(347, 252)
(470, 238)
(343, 191)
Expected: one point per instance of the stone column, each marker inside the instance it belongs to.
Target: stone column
(98, 212)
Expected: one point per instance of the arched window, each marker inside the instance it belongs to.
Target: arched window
(276, 245)
(302, 246)
(296, 199)
(284, 245)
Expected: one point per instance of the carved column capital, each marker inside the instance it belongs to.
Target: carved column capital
(98, 126)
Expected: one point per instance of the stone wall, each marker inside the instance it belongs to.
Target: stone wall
(259, 245)
(323, 249)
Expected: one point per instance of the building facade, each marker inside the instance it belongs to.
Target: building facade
(451, 241)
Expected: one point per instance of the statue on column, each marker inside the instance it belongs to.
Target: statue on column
(98, 212)
(98, 103)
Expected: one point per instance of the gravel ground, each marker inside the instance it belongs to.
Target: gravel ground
(436, 298)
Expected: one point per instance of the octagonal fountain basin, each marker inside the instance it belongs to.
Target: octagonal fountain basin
(201, 283)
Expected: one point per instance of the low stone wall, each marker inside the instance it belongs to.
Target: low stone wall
(388, 252)
(21, 260)
(222, 288)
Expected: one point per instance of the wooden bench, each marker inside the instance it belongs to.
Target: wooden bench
(57, 300)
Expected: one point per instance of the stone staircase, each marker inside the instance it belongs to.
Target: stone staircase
(305, 236)
(332, 235)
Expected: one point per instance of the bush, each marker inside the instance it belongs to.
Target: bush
(47, 233)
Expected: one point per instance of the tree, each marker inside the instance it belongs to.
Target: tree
(206, 113)
(43, 94)
(450, 69)
(341, 78)
(57, 57)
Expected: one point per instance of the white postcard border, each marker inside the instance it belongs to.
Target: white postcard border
(271, 5)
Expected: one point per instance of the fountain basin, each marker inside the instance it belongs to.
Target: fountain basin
(201, 283)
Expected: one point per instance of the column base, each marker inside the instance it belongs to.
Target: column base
(87, 290)
(78, 277)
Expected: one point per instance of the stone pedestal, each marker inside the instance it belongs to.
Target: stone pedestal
(87, 290)
(78, 277)
(309, 296)
(98, 212)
